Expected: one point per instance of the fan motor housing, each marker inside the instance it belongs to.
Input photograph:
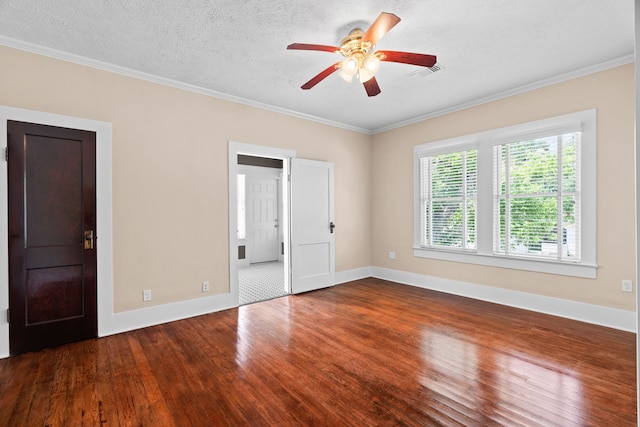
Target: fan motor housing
(352, 45)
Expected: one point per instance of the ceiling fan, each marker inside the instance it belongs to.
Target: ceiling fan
(360, 58)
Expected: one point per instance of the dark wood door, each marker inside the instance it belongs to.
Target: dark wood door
(52, 222)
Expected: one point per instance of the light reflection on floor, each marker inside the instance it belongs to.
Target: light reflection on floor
(453, 367)
(258, 333)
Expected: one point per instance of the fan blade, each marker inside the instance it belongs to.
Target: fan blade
(380, 27)
(407, 58)
(371, 86)
(320, 47)
(320, 77)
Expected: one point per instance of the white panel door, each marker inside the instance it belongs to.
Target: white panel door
(312, 238)
(262, 221)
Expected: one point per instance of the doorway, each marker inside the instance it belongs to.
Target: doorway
(104, 216)
(52, 223)
(261, 225)
(307, 219)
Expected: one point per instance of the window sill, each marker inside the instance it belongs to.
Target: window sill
(541, 266)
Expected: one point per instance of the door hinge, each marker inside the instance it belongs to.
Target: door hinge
(6, 154)
(8, 318)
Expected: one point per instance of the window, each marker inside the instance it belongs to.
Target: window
(537, 197)
(448, 188)
(518, 197)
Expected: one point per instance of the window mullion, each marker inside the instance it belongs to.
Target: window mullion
(464, 199)
(484, 200)
(507, 199)
(429, 201)
(560, 225)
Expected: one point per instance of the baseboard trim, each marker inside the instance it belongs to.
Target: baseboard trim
(146, 317)
(165, 313)
(159, 314)
(351, 275)
(589, 313)
(4, 342)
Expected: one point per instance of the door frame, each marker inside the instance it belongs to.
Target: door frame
(236, 148)
(104, 220)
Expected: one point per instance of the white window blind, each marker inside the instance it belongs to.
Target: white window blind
(449, 199)
(537, 198)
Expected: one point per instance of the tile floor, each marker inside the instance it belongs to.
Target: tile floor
(260, 282)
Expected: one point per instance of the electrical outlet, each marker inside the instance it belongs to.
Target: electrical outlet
(205, 286)
(146, 295)
(627, 286)
(392, 255)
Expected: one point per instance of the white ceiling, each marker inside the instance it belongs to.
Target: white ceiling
(236, 49)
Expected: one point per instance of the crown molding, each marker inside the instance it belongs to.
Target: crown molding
(128, 72)
(628, 59)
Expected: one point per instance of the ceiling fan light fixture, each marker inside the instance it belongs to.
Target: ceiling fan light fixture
(360, 57)
(368, 68)
(364, 75)
(346, 77)
(371, 63)
(350, 66)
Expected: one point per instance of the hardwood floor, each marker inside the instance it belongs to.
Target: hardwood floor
(368, 352)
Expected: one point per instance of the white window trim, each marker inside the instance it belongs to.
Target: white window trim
(484, 142)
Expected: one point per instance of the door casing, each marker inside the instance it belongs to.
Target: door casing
(236, 148)
(104, 213)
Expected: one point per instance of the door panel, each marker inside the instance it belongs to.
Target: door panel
(53, 294)
(314, 259)
(54, 181)
(312, 239)
(52, 277)
(263, 224)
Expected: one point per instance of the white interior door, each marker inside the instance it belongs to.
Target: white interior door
(262, 221)
(312, 238)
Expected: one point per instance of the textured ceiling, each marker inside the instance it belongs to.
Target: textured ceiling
(237, 49)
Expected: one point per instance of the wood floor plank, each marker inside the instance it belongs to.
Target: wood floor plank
(368, 352)
(26, 398)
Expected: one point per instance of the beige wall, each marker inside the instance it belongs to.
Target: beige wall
(170, 178)
(170, 202)
(610, 92)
